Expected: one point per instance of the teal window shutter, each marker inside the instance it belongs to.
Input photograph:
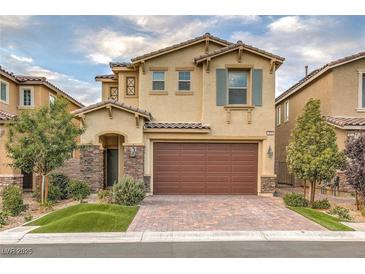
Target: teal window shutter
(221, 86)
(257, 87)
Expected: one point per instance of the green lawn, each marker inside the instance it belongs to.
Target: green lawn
(87, 218)
(328, 221)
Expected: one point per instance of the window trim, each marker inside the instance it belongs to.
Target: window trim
(109, 95)
(248, 87)
(164, 80)
(278, 116)
(126, 86)
(286, 111)
(178, 81)
(49, 98)
(21, 96)
(6, 91)
(361, 75)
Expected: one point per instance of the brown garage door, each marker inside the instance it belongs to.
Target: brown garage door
(204, 168)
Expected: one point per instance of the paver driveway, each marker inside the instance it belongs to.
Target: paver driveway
(217, 212)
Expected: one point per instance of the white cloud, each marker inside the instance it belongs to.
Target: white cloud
(287, 24)
(21, 58)
(15, 22)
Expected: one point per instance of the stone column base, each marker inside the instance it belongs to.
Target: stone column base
(268, 184)
(134, 162)
(92, 166)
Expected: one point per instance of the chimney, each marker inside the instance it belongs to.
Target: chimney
(306, 70)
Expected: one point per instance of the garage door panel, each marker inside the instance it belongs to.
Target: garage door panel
(204, 168)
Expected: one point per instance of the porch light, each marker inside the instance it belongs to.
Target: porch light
(133, 152)
(269, 152)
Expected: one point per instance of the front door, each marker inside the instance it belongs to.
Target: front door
(111, 166)
(27, 181)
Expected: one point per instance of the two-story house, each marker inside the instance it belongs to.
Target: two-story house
(21, 93)
(197, 117)
(340, 86)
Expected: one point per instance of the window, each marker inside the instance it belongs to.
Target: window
(286, 111)
(4, 92)
(184, 83)
(158, 80)
(130, 86)
(52, 99)
(278, 115)
(113, 93)
(237, 87)
(26, 97)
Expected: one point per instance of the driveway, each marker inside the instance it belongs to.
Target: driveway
(217, 212)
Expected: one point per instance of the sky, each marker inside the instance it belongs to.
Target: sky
(71, 50)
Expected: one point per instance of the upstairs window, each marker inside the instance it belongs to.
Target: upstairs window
(52, 99)
(184, 83)
(113, 93)
(4, 91)
(26, 97)
(237, 87)
(286, 111)
(158, 80)
(131, 86)
(278, 115)
(362, 89)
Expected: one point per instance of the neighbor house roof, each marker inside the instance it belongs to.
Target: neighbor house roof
(6, 116)
(119, 65)
(182, 44)
(236, 46)
(22, 79)
(346, 122)
(318, 72)
(108, 76)
(113, 103)
(175, 125)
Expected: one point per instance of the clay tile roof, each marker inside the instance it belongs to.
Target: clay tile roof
(317, 72)
(6, 116)
(234, 46)
(187, 42)
(108, 76)
(346, 121)
(176, 125)
(98, 105)
(119, 64)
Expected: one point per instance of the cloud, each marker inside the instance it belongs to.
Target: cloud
(21, 58)
(14, 22)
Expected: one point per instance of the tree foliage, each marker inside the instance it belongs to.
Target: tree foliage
(312, 154)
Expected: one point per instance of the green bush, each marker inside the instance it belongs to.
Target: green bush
(3, 218)
(128, 192)
(13, 200)
(295, 200)
(54, 193)
(105, 196)
(363, 212)
(321, 204)
(340, 212)
(28, 217)
(61, 181)
(78, 190)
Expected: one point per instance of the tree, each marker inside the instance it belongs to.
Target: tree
(42, 140)
(312, 154)
(355, 166)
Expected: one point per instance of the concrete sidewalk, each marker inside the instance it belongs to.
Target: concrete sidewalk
(21, 236)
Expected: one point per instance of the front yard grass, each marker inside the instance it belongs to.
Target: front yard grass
(87, 218)
(325, 220)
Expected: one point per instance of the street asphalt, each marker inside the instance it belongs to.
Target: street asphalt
(212, 249)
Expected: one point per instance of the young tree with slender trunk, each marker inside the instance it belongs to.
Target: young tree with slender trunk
(43, 139)
(312, 154)
(355, 166)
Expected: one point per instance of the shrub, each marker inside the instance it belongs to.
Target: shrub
(105, 196)
(61, 181)
(78, 190)
(295, 200)
(321, 204)
(128, 191)
(363, 212)
(13, 200)
(54, 193)
(28, 217)
(341, 212)
(3, 218)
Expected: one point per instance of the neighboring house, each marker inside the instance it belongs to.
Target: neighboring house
(194, 118)
(340, 86)
(21, 93)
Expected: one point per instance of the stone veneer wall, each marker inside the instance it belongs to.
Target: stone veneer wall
(268, 184)
(6, 180)
(92, 166)
(71, 168)
(134, 166)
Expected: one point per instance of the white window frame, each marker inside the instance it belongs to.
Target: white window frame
(286, 111)
(51, 96)
(361, 74)
(164, 80)
(6, 92)
(178, 81)
(278, 115)
(248, 72)
(21, 96)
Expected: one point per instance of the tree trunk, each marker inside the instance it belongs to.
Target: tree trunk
(313, 191)
(357, 200)
(305, 189)
(43, 188)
